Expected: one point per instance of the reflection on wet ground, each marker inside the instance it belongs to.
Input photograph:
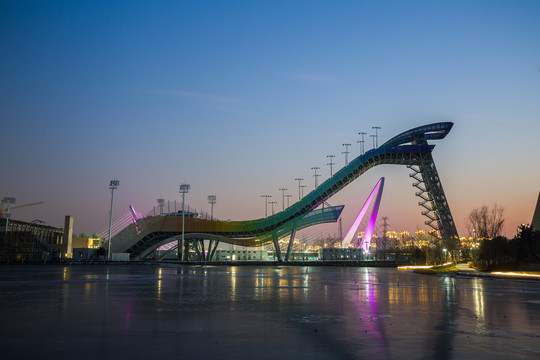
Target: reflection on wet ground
(281, 312)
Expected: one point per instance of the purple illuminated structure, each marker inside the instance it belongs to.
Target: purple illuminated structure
(368, 233)
(136, 216)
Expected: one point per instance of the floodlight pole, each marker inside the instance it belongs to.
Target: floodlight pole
(361, 142)
(288, 196)
(9, 201)
(303, 186)
(161, 203)
(266, 204)
(113, 185)
(212, 201)
(331, 163)
(376, 135)
(346, 152)
(299, 187)
(315, 168)
(283, 198)
(184, 188)
(373, 137)
(272, 204)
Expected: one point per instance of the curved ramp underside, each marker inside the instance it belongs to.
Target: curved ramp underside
(408, 148)
(320, 216)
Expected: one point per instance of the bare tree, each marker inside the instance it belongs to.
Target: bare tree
(486, 222)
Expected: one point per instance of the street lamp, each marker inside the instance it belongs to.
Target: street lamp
(299, 187)
(330, 163)
(266, 204)
(361, 142)
(346, 152)
(184, 188)
(212, 201)
(113, 185)
(376, 134)
(283, 198)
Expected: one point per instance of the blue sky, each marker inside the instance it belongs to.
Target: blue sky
(239, 98)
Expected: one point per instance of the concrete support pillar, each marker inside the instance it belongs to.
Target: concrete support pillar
(278, 250)
(213, 252)
(289, 247)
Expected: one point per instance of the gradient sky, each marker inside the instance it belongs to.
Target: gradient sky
(239, 98)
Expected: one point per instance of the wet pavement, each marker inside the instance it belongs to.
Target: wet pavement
(270, 312)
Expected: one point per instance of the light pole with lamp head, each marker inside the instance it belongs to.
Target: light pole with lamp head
(161, 204)
(184, 188)
(212, 201)
(272, 204)
(330, 163)
(376, 135)
(303, 186)
(8, 201)
(346, 152)
(361, 142)
(299, 187)
(282, 198)
(266, 204)
(288, 196)
(315, 168)
(113, 185)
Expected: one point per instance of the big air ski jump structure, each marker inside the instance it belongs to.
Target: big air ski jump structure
(410, 148)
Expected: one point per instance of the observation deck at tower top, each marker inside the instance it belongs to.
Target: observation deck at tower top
(436, 131)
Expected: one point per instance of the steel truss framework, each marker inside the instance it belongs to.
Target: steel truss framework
(409, 148)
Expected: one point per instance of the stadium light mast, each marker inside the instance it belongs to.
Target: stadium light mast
(266, 204)
(303, 186)
(272, 204)
(299, 187)
(331, 163)
(315, 168)
(161, 204)
(376, 135)
(361, 142)
(184, 188)
(282, 198)
(212, 201)
(8, 201)
(373, 137)
(113, 185)
(288, 196)
(346, 152)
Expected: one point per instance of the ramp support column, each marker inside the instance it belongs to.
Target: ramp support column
(277, 249)
(289, 247)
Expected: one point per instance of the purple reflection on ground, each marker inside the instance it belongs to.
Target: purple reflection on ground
(369, 312)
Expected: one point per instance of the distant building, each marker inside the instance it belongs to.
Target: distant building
(85, 247)
(187, 214)
(30, 241)
(87, 242)
(249, 255)
(340, 254)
